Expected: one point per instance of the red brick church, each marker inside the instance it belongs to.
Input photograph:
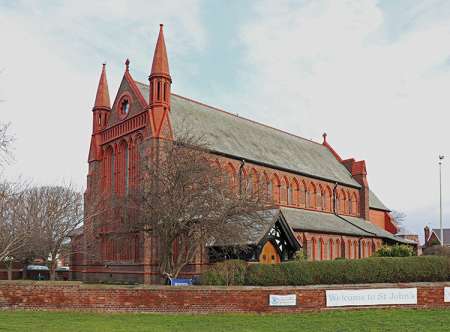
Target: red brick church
(324, 203)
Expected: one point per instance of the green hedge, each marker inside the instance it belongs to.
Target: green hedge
(370, 270)
(226, 273)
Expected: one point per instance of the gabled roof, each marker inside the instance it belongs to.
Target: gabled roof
(437, 232)
(233, 135)
(259, 227)
(376, 203)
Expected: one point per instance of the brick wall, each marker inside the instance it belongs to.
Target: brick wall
(76, 296)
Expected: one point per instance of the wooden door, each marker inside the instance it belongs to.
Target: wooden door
(269, 254)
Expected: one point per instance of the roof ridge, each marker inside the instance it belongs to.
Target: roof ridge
(238, 116)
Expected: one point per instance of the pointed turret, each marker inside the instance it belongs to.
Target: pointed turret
(160, 81)
(102, 104)
(160, 64)
(102, 97)
(100, 113)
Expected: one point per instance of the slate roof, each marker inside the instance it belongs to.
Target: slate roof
(376, 203)
(437, 231)
(232, 135)
(314, 221)
(258, 229)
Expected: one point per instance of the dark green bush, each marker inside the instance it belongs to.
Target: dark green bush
(369, 270)
(226, 273)
(397, 250)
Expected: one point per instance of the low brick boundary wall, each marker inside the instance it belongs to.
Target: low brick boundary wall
(195, 299)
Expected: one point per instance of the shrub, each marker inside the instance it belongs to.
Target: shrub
(226, 273)
(369, 270)
(397, 250)
(436, 250)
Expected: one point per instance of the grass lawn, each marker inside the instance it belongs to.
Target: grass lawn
(366, 320)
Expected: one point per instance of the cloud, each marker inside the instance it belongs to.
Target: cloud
(51, 64)
(381, 95)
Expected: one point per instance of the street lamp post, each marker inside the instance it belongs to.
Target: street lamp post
(441, 158)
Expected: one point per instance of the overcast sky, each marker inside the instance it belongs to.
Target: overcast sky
(375, 75)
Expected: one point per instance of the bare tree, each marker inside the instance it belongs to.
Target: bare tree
(185, 201)
(399, 218)
(15, 231)
(55, 212)
(6, 139)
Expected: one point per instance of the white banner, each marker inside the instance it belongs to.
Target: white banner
(367, 297)
(446, 294)
(283, 300)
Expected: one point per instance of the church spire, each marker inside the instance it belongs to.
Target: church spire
(160, 64)
(102, 98)
(160, 83)
(102, 105)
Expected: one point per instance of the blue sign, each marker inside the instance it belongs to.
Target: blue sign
(181, 282)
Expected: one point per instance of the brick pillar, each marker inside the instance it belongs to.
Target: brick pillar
(359, 173)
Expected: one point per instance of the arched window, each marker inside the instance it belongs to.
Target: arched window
(295, 192)
(311, 196)
(290, 196)
(355, 247)
(314, 249)
(331, 254)
(326, 250)
(327, 202)
(284, 191)
(349, 203)
(113, 171)
(253, 183)
(270, 191)
(108, 169)
(363, 249)
(354, 208)
(349, 249)
(122, 171)
(319, 249)
(319, 199)
(302, 194)
(159, 90)
(338, 248)
(342, 202)
(276, 189)
(230, 176)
